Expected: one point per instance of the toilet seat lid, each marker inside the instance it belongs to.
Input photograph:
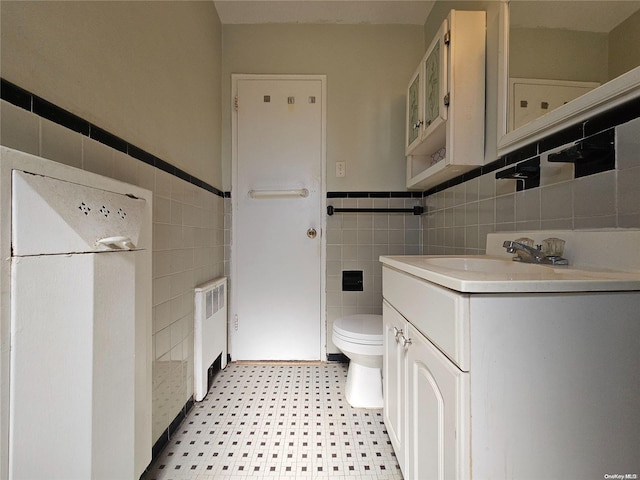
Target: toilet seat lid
(360, 328)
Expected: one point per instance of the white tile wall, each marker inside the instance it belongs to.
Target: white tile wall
(192, 231)
(60, 144)
(188, 244)
(355, 241)
(605, 200)
(19, 129)
(188, 250)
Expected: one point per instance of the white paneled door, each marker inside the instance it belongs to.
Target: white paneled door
(277, 199)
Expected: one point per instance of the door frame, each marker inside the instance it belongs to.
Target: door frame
(233, 297)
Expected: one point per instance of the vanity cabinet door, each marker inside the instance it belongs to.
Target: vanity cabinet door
(394, 380)
(438, 406)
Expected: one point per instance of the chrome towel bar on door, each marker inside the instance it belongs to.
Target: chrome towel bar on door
(303, 192)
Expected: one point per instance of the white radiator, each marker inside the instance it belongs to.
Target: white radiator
(209, 331)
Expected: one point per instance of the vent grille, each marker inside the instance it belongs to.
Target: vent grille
(209, 332)
(214, 300)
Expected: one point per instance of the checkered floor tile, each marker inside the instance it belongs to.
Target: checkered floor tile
(278, 421)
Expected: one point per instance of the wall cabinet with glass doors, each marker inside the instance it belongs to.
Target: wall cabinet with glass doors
(445, 103)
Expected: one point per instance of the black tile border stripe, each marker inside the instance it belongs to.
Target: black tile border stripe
(616, 116)
(374, 194)
(15, 95)
(107, 138)
(58, 115)
(610, 118)
(41, 107)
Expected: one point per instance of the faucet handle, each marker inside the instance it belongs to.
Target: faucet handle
(553, 247)
(525, 241)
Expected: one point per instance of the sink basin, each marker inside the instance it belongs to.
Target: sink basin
(493, 274)
(482, 264)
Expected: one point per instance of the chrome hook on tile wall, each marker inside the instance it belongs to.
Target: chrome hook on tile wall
(527, 172)
(593, 154)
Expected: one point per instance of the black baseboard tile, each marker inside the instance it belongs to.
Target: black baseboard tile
(337, 357)
(164, 439)
(158, 447)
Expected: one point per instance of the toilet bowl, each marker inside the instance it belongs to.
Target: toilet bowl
(360, 337)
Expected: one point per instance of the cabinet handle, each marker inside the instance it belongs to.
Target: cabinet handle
(117, 243)
(417, 125)
(404, 342)
(396, 333)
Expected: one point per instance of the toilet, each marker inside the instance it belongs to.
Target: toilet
(360, 337)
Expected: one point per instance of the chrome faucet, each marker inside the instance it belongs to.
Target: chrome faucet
(525, 253)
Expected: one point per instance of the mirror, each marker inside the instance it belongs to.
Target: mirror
(559, 51)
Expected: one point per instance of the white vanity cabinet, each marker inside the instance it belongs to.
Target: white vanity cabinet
(424, 386)
(445, 103)
(426, 399)
(438, 409)
(510, 385)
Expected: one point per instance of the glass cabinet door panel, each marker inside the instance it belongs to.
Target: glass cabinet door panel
(432, 84)
(413, 107)
(435, 81)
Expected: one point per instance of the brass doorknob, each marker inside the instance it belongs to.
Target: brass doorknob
(311, 233)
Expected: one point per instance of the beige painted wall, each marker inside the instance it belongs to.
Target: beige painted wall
(367, 67)
(148, 72)
(558, 54)
(624, 53)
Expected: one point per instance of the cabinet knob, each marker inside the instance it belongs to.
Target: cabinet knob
(404, 342)
(396, 333)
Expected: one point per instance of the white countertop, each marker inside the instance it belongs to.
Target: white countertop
(520, 277)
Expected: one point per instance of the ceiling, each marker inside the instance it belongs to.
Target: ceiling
(324, 12)
(592, 15)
